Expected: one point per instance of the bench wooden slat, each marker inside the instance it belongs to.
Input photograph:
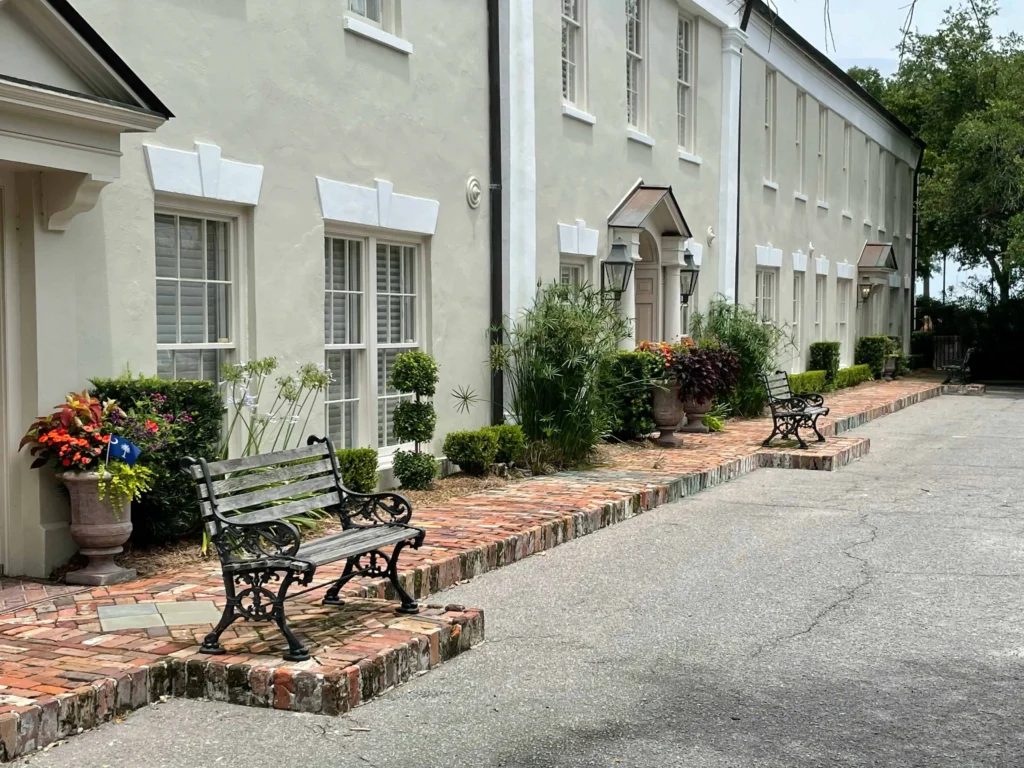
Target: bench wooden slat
(258, 478)
(282, 511)
(351, 543)
(266, 459)
(276, 493)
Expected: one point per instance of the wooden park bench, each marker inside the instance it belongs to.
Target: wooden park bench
(959, 369)
(791, 412)
(245, 505)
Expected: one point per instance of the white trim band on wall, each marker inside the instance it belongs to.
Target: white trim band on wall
(203, 173)
(846, 271)
(821, 266)
(799, 262)
(577, 240)
(895, 281)
(380, 207)
(768, 256)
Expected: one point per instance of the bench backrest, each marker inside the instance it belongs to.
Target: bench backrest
(776, 385)
(267, 487)
(967, 358)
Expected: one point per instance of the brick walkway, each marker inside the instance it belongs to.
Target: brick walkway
(59, 671)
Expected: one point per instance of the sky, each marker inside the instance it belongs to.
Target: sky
(866, 33)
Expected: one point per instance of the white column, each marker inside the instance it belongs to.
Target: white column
(627, 302)
(519, 155)
(673, 256)
(729, 190)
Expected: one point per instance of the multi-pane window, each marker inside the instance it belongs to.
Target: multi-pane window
(847, 158)
(769, 125)
(801, 123)
(882, 165)
(765, 294)
(369, 8)
(684, 81)
(897, 195)
(193, 296)
(819, 307)
(868, 208)
(343, 336)
(822, 154)
(634, 63)
(385, 14)
(572, 51)
(844, 289)
(371, 315)
(798, 307)
(572, 273)
(895, 312)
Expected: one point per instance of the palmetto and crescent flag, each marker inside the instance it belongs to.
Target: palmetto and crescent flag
(124, 450)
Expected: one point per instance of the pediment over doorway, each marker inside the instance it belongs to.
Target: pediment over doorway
(652, 208)
(879, 256)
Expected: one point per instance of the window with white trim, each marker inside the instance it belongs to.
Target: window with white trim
(909, 203)
(801, 127)
(844, 289)
(371, 315)
(572, 272)
(897, 200)
(820, 286)
(195, 265)
(882, 165)
(847, 160)
(684, 81)
(798, 315)
(822, 154)
(384, 14)
(895, 312)
(574, 41)
(868, 155)
(635, 64)
(765, 295)
(687, 309)
(769, 124)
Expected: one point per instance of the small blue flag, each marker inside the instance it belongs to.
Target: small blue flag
(124, 450)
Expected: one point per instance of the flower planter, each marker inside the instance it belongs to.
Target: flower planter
(99, 532)
(696, 410)
(668, 413)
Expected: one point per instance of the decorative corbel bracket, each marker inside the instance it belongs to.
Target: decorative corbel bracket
(67, 194)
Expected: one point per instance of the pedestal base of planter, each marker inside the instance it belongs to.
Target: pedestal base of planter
(695, 428)
(101, 569)
(668, 439)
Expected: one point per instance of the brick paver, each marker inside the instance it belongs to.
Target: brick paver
(60, 671)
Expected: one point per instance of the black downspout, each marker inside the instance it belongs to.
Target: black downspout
(496, 209)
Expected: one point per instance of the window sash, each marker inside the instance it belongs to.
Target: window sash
(801, 127)
(369, 9)
(769, 124)
(819, 307)
(868, 208)
(847, 161)
(798, 303)
(634, 63)
(881, 189)
(570, 273)
(684, 77)
(572, 34)
(764, 289)
(822, 154)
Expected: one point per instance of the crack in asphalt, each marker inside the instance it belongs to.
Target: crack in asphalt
(849, 593)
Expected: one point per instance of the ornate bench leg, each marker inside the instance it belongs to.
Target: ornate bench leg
(408, 604)
(350, 572)
(296, 650)
(814, 426)
(775, 431)
(211, 643)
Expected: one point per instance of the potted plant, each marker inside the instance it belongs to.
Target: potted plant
(709, 370)
(668, 405)
(75, 441)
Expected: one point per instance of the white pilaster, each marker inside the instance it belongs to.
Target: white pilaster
(733, 40)
(673, 256)
(627, 302)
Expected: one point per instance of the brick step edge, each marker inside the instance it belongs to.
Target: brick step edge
(315, 690)
(798, 459)
(839, 426)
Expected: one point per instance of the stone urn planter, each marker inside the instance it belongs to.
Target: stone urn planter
(668, 413)
(99, 530)
(696, 410)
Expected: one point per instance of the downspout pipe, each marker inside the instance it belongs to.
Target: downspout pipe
(914, 245)
(496, 200)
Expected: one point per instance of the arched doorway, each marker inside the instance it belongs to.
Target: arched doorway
(648, 290)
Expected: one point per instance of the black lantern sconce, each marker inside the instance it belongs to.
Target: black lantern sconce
(616, 270)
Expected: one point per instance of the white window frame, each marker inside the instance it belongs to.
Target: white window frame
(766, 294)
(882, 199)
(578, 265)
(367, 425)
(844, 293)
(868, 158)
(770, 122)
(847, 166)
(820, 303)
(577, 27)
(234, 217)
(895, 326)
(636, 65)
(798, 316)
(389, 17)
(823, 154)
(801, 131)
(686, 310)
(686, 39)
(908, 213)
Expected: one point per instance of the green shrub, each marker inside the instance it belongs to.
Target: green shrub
(922, 344)
(713, 423)
(415, 372)
(414, 421)
(825, 357)
(358, 468)
(474, 452)
(169, 511)
(808, 383)
(851, 377)
(416, 471)
(757, 344)
(511, 442)
(627, 385)
(872, 351)
(552, 358)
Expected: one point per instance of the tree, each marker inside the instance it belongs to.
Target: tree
(961, 90)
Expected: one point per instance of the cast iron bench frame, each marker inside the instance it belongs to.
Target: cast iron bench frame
(244, 504)
(789, 411)
(959, 369)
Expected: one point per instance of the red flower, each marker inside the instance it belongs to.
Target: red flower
(151, 426)
(66, 462)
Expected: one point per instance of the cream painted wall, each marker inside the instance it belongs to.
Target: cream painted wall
(24, 55)
(585, 170)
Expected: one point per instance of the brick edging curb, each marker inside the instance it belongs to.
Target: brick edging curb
(317, 690)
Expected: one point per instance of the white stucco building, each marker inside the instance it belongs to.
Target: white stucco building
(316, 181)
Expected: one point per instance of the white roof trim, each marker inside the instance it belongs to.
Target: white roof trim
(204, 173)
(577, 240)
(768, 256)
(68, 107)
(380, 207)
(799, 261)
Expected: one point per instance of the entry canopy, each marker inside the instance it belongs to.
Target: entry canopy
(878, 256)
(651, 207)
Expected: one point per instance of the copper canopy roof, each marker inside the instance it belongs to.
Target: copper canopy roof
(878, 256)
(643, 203)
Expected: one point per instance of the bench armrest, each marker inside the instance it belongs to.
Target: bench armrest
(369, 509)
(793, 403)
(817, 400)
(254, 541)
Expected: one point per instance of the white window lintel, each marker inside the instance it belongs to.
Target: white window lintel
(768, 256)
(380, 207)
(577, 240)
(799, 261)
(203, 173)
(821, 266)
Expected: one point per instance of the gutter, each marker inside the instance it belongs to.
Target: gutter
(496, 200)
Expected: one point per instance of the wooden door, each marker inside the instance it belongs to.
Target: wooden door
(648, 328)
